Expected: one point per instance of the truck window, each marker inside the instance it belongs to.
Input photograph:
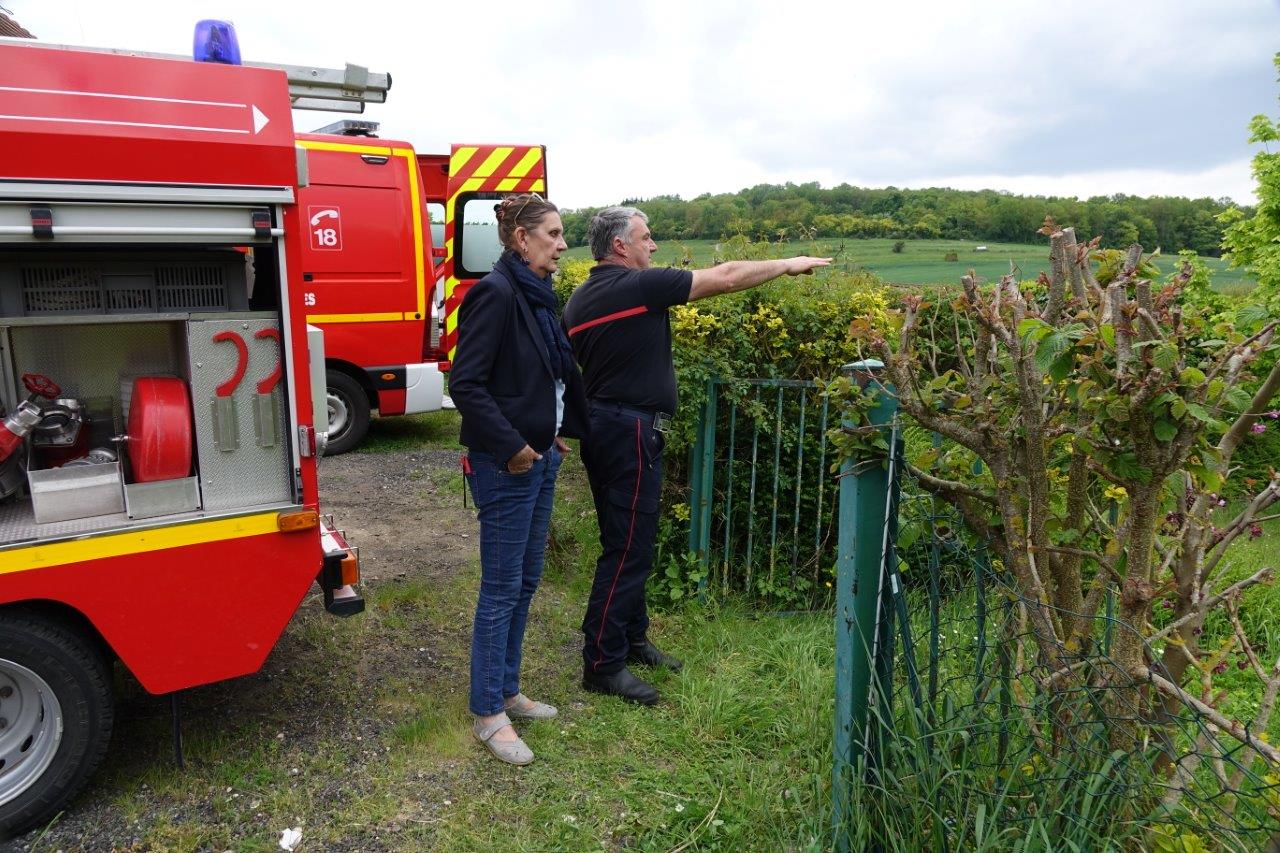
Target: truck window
(478, 236)
(435, 213)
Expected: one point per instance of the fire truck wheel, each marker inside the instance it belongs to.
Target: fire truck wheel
(348, 412)
(56, 712)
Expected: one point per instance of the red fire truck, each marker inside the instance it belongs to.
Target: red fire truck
(395, 239)
(158, 443)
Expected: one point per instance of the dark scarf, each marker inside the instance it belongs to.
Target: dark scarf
(546, 307)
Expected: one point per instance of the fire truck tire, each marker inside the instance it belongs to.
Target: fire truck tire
(348, 412)
(57, 711)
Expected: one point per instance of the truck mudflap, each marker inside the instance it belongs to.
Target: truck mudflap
(340, 567)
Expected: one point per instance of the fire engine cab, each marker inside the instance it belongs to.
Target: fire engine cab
(394, 239)
(159, 432)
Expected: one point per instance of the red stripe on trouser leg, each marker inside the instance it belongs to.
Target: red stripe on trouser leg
(635, 498)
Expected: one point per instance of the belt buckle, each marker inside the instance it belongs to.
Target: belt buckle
(661, 422)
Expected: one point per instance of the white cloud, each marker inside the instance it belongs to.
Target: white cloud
(1231, 180)
(669, 96)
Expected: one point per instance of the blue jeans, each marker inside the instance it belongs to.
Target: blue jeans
(515, 512)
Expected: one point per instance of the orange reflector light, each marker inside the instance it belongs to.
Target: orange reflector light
(388, 376)
(350, 569)
(303, 519)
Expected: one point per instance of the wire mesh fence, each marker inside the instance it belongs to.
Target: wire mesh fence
(968, 715)
(972, 726)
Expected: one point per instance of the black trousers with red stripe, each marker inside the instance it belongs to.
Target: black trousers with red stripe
(623, 458)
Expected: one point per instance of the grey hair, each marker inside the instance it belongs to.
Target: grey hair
(608, 223)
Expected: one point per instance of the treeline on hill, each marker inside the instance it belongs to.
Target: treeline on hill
(770, 211)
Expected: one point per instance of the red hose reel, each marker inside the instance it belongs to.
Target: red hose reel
(160, 431)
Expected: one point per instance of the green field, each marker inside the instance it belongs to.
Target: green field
(920, 262)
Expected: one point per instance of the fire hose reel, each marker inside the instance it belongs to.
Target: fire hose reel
(160, 432)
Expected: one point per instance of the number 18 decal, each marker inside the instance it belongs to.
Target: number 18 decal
(325, 227)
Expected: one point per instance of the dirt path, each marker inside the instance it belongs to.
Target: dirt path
(403, 510)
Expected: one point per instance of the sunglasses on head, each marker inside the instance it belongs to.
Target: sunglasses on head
(530, 197)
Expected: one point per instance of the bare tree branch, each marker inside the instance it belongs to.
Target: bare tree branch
(1212, 601)
(1269, 388)
(1232, 728)
(1240, 524)
(938, 485)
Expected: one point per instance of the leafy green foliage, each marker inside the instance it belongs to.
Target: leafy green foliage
(1253, 242)
(794, 328)
(1084, 403)
(573, 272)
(1111, 261)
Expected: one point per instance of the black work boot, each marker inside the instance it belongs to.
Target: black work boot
(622, 684)
(647, 653)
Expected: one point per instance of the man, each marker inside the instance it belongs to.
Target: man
(621, 336)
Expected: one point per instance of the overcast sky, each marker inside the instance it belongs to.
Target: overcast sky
(650, 97)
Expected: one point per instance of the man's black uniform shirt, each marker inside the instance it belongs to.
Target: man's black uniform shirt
(621, 334)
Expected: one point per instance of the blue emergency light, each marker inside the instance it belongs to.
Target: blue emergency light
(215, 41)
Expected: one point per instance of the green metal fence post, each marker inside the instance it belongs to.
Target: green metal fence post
(701, 475)
(864, 495)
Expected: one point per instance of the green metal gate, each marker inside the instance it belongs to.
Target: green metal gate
(762, 504)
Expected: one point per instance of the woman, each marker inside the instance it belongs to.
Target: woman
(516, 385)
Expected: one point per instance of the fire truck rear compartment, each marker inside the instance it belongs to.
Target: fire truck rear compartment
(97, 318)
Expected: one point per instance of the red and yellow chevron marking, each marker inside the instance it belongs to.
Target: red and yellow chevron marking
(475, 169)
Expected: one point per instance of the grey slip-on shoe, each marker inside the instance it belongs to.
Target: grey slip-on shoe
(512, 752)
(521, 705)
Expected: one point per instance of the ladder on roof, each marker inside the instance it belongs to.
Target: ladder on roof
(344, 90)
(341, 90)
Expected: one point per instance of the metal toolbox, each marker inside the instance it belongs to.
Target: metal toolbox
(79, 491)
(162, 497)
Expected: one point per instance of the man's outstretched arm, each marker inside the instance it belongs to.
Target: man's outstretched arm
(733, 276)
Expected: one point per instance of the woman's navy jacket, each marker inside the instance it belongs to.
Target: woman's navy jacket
(501, 379)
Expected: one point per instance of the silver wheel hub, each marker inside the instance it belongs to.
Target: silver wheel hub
(30, 728)
(339, 414)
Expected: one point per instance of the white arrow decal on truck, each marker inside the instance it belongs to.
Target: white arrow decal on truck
(258, 118)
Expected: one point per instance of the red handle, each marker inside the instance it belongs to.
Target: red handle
(242, 362)
(37, 383)
(267, 385)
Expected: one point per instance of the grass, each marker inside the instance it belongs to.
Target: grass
(412, 432)
(921, 261)
(736, 757)
(731, 760)
(358, 732)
